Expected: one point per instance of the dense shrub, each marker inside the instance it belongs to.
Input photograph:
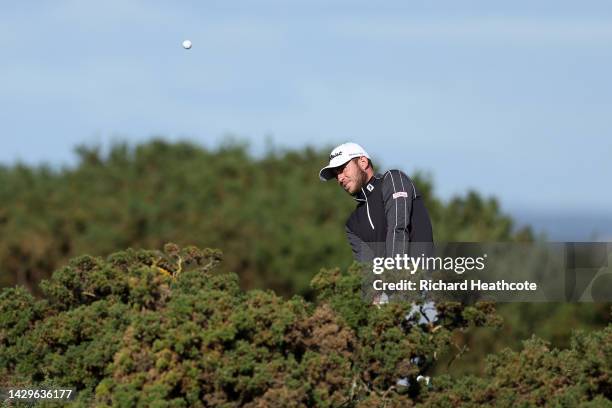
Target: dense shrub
(275, 221)
(266, 215)
(149, 328)
(146, 328)
(538, 375)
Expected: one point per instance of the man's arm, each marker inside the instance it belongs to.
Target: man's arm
(398, 193)
(360, 252)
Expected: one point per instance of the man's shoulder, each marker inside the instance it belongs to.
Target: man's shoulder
(396, 181)
(393, 173)
(395, 177)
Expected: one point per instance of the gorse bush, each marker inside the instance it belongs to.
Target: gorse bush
(141, 328)
(275, 221)
(154, 329)
(277, 226)
(538, 375)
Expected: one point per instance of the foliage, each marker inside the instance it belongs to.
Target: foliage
(272, 217)
(275, 222)
(149, 328)
(538, 375)
(554, 322)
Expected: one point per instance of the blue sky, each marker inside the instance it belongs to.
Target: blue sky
(513, 99)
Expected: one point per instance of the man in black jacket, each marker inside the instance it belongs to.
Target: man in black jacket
(390, 212)
(390, 218)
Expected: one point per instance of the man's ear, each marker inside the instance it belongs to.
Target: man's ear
(363, 163)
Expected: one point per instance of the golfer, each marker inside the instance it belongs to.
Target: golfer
(390, 212)
(389, 219)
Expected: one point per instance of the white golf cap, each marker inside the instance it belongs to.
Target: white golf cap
(340, 155)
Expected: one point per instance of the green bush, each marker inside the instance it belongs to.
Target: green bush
(538, 375)
(271, 216)
(149, 328)
(266, 214)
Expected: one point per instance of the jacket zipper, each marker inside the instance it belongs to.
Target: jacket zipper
(367, 208)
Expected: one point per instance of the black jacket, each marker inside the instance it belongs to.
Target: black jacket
(390, 215)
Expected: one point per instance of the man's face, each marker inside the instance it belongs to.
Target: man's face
(350, 176)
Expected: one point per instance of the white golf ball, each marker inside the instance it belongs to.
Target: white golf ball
(186, 44)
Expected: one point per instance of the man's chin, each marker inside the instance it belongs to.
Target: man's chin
(350, 191)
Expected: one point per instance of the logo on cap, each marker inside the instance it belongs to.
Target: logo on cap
(331, 156)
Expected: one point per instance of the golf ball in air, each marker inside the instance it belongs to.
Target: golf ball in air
(186, 44)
